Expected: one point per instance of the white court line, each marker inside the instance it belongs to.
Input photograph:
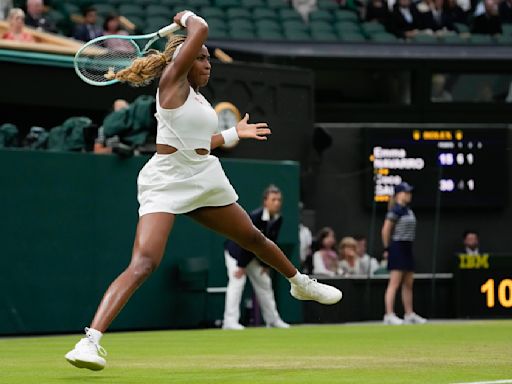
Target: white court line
(509, 381)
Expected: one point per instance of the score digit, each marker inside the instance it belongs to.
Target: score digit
(504, 293)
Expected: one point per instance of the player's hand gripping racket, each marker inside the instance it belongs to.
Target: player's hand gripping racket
(97, 61)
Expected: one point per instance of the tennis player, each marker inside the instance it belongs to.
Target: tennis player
(183, 178)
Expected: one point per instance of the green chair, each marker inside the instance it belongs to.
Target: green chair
(352, 37)
(461, 28)
(507, 29)
(504, 39)
(289, 14)
(371, 27)
(347, 26)
(322, 15)
(181, 7)
(346, 15)
(323, 36)
(327, 4)
(130, 10)
(320, 26)
(217, 23)
(209, 12)
(215, 33)
(295, 25)
(198, 3)
(278, 4)
(253, 3)
(226, 3)
(70, 9)
(264, 13)
(481, 39)
(158, 10)
(265, 34)
(297, 35)
(234, 13)
(170, 3)
(140, 23)
(268, 25)
(241, 34)
(424, 39)
(383, 37)
(241, 24)
(105, 9)
(453, 39)
(146, 3)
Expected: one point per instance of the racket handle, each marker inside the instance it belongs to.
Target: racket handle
(168, 30)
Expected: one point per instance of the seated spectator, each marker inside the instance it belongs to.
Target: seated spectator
(439, 94)
(406, 21)
(471, 243)
(377, 10)
(455, 13)
(325, 259)
(350, 263)
(368, 264)
(5, 7)
(36, 17)
(505, 11)
(435, 18)
(16, 21)
(489, 22)
(88, 30)
(112, 26)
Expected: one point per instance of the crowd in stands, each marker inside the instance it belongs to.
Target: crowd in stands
(322, 20)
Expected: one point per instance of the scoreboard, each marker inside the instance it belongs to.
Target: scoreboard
(468, 166)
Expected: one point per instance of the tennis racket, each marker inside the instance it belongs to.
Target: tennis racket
(97, 61)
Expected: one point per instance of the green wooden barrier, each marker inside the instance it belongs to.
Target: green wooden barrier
(67, 227)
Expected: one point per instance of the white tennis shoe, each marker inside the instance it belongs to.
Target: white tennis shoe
(310, 289)
(278, 324)
(87, 354)
(413, 318)
(392, 319)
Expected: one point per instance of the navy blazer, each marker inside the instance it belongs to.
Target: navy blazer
(269, 228)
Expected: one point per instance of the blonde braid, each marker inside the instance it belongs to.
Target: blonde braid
(144, 69)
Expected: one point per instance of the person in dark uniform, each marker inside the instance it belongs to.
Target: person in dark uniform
(241, 264)
(398, 233)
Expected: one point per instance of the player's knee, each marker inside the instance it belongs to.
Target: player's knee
(143, 265)
(253, 240)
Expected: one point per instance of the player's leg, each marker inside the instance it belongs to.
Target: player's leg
(233, 295)
(395, 279)
(234, 223)
(262, 284)
(148, 249)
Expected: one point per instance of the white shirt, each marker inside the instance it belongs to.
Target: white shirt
(305, 241)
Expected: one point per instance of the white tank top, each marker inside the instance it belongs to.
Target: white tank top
(189, 126)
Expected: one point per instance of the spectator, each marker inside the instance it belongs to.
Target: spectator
(350, 263)
(37, 18)
(435, 18)
(398, 233)
(406, 21)
(489, 22)
(471, 243)
(368, 264)
(325, 259)
(305, 241)
(16, 21)
(455, 13)
(242, 264)
(505, 11)
(377, 10)
(439, 94)
(112, 26)
(5, 7)
(88, 30)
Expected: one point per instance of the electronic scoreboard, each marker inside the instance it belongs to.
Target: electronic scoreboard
(467, 166)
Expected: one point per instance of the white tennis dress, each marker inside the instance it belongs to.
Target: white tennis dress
(184, 180)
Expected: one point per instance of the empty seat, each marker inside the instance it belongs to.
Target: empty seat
(295, 25)
(453, 39)
(278, 4)
(170, 3)
(352, 37)
(481, 39)
(241, 24)
(154, 23)
(297, 35)
(323, 36)
(226, 3)
(321, 15)
(320, 26)
(383, 37)
(347, 26)
(217, 23)
(241, 34)
(253, 3)
(159, 10)
(289, 14)
(214, 33)
(269, 25)
(265, 34)
(105, 9)
(234, 13)
(327, 4)
(371, 27)
(131, 10)
(198, 3)
(264, 13)
(209, 12)
(346, 15)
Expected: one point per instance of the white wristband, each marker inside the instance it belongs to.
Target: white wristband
(184, 18)
(230, 136)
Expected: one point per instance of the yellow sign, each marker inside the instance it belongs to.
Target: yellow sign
(474, 261)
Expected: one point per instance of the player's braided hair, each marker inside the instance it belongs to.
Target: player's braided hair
(144, 69)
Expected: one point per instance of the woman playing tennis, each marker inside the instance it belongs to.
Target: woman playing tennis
(183, 178)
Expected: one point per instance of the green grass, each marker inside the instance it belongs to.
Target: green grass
(432, 353)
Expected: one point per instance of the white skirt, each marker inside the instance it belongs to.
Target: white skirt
(182, 182)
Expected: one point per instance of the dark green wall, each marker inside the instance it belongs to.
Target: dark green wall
(67, 228)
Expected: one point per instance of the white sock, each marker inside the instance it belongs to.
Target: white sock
(94, 335)
(297, 278)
